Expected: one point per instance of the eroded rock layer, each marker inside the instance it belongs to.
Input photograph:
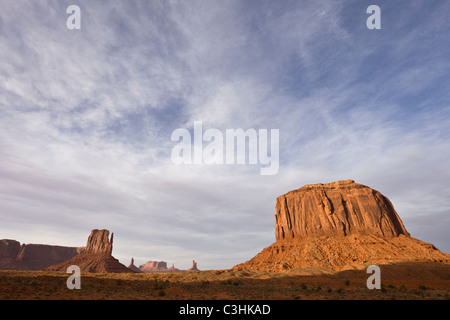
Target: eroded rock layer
(335, 209)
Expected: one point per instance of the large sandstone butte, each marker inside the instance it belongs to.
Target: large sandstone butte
(16, 256)
(335, 209)
(97, 256)
(337, 226)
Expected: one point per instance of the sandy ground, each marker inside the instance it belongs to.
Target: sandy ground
(417, 281)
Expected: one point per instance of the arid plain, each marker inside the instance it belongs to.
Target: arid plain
(410, 281)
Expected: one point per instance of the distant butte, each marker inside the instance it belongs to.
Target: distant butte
(97, 256)
(133, 267)
(336, 226)
(194, 266)
(153, 266)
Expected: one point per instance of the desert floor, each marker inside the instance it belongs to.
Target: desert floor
(417, 281)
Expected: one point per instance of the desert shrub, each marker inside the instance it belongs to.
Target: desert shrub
(204, 283)
(421, 287)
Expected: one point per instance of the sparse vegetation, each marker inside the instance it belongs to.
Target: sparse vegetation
(422, 287)
(226, 284)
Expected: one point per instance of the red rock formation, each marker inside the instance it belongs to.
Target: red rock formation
(154, 266)
(337, 225)
(194, 266)
(157, 266)
(133, 267)
(96, 258)
(14, 256)
(9, 250)
(173, 269)
(98, 242)
(335, 209)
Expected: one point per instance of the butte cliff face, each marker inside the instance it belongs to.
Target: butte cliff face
(336, 226)
(99, 242)
(96, 257)
(14, 256)
(335, 209)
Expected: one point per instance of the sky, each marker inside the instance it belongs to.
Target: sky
(86, 117)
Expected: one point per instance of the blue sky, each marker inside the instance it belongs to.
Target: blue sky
(86, 118)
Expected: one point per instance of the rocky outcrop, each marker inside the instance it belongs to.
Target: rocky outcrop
(99, 242)
(157, 266)
(336, 226)
(154, 266)
(133, 267)
(96, 258)
(335, 209)
(173, 269)
(194, 266)
(14, 256)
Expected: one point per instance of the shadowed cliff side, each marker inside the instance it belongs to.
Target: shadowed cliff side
(14, 256)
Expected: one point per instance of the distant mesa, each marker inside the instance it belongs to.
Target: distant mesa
(97, 256)
(157, 266)
(16, 256)
(161, 266)
(153, 266)
(336, 226)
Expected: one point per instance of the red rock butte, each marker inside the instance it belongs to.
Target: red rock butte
(96, 256)
(337, 226)
(335, 209)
